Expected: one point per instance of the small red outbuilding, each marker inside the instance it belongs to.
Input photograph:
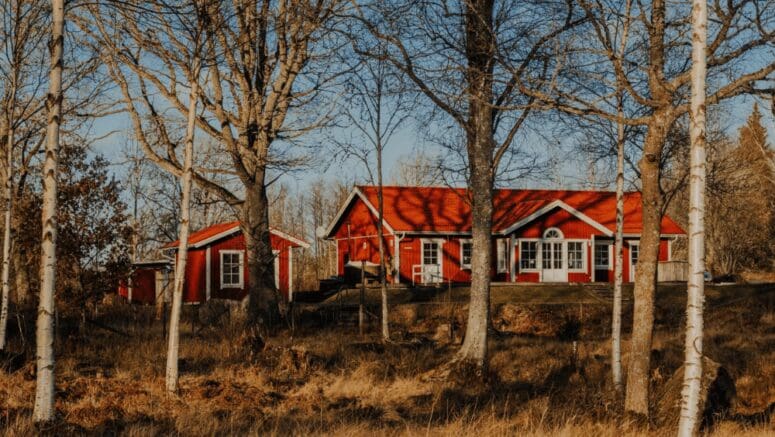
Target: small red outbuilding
(216, 267)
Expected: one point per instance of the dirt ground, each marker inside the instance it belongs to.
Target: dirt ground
(323, 378)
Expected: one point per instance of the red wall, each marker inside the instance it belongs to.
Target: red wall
(143, 286)
(362, 245)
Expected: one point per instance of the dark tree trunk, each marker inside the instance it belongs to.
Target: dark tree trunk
(637, 392)
(264, 300)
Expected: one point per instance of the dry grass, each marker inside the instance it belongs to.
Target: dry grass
(330, 381)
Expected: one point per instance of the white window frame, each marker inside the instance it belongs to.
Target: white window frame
(632, 243)
(502, 255)
(561, 237)
(608, 245)
(537, 252)
(583, 267)
(241, 256)
(464, 241)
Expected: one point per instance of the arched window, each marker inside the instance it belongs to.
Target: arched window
(552, 234)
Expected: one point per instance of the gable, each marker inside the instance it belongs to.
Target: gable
(570, 225)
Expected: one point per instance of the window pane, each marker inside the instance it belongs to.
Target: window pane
(575, 255)
(602, 256)
(466, 258)
(528, 254)
(546, 255)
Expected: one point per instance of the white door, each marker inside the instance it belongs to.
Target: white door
(431, 262)
(553, 263)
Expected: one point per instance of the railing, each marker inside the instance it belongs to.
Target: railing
(673, 271)
(427, 273)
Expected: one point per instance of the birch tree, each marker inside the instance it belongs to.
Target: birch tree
(260, 98)
(655, 77)
(376, 107)
(454, 55)
(196, 26)
(616, 317)
(22, 37)
(43, 410)
(688, 424)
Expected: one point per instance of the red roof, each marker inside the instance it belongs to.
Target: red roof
(226, 229)
(447, 210)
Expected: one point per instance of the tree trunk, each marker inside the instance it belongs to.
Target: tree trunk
(44, 389)
(7, 235)
(21, 276)
(637, 390)
(616, 317)
(173, 346)
(380, 230)
(480, 52)
(264, 298)
(690, 395)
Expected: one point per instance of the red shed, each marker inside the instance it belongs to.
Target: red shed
(216, 267)
(538, 235)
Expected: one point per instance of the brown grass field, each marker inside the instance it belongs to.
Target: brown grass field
(323, 378)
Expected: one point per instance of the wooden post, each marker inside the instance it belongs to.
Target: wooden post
(363, 293)
(451, 311)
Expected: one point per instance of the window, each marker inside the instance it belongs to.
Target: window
(576, 255)
(466, 249)
(501, 253)
(552, 233)
(430, 253)
(528, 255)
(602, 256)
(634, 253)
(232, 269)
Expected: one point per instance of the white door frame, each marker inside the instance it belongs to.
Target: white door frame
(632, 267)
(439, 261)
(553, 274)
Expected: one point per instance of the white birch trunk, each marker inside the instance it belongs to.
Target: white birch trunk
(689, 423)
(7, 234)
(616, 317)
(44, 389)
(173, 346)
(380, 227)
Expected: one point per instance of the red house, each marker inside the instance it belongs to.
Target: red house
(538, 235)
(215, 268)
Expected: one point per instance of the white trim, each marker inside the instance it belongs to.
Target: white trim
(289, 237)
(215, 237)
(241, 254)
(237, 228)
(512, 264)
(670, 249)
(439, 255)
(355, 192)
(207, 274)
(584, 263)
(537, 268)
(609, 244)
(396, 259)
(499, 243)
(276, 265)
(290, 274)
(632, 270)
(557, 204)
(463, 241)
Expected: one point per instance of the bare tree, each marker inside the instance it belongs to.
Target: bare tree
(254, 105)
(462, 46)
(44, 387)
(376, 106)
(690, 395)
(655, 76)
